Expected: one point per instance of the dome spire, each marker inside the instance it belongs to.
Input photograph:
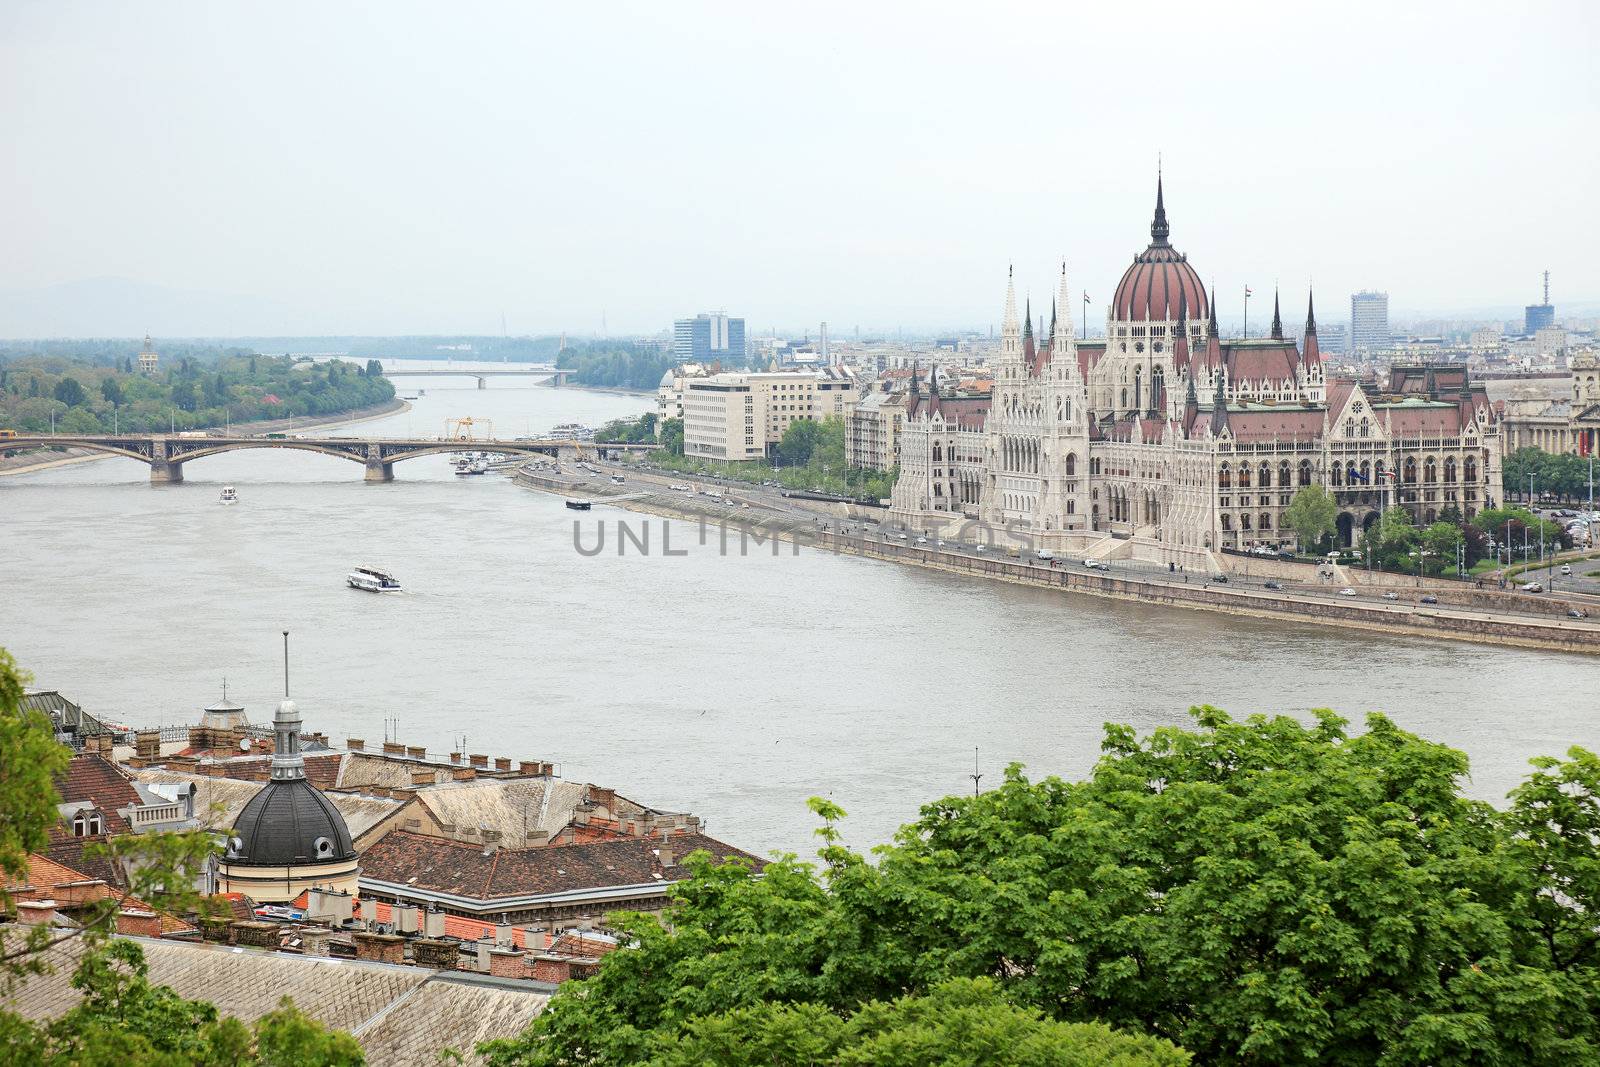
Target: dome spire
(1277, 319)
(1158, 226)
(288, 765)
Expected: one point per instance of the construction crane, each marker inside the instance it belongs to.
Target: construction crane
(464, 429)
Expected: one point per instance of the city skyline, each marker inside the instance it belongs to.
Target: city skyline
(366, 185)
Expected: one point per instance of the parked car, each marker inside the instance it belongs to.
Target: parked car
(922, 540)
(1575, 613)
(1220, 579)
(1531, 587)
(1430, 599)
(1095, 565)
(1566, 569)
(1273, 585)
(1046, 554)
(1391, 595)
(1347, 591)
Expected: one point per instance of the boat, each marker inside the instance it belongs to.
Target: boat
(570, 431)
(578, 505)
(230, 495)
(473, 465)
(373, 580)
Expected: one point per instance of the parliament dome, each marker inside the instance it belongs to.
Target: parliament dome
(1160, 282)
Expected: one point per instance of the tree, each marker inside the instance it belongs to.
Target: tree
(110, 391)
(1313, 515)
(798, 442)
(1264, 891)
(70, 392)
(1439, 541)
(672, 436)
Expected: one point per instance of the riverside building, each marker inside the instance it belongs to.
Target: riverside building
(1164, 442)
(740, 416)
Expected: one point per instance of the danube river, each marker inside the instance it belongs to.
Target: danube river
(731, 687)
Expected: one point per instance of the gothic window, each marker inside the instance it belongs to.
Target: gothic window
(1072, 464)
(1338, 474)
(1283, 474)
(1264, 476)
(1366, 428)
(1124, 398)
(1305, 472)
(1244, 522)
(1349, 427)
(1469, 470)
(1244, 476)
(1430, 473)
(1225, 477)
(1266, 521)
(1138, 346)
(1410, 474)
(1366, 473)
(1450, 470)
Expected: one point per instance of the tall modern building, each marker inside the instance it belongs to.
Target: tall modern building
(1333, 338)
(707, 337)
(1536, 317)
(1369, 321)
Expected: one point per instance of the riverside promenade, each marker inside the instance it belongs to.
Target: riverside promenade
(1463, 614)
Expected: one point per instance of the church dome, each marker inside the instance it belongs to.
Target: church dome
(288, 823)
(1160, 282)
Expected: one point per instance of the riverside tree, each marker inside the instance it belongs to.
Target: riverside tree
(1264, 891)
(1313, 515)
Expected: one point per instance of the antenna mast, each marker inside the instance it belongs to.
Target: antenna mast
(975, 775)
(1546, 288)
(286, 664)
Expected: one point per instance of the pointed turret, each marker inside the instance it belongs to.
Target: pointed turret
(1212, 325)
(1277, 319)
(1310, 351)
(1158, 225)
(1027, 332)
(1011, 300)
(1180, 339)
(1214, 338)
(1219, 405)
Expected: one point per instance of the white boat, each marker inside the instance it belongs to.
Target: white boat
(373, 580)
(475, 465)
(570, 431)
(230, 495)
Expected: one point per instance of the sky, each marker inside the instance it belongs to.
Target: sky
(194, 168)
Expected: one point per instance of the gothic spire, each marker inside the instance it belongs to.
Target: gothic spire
(1053, 308)
(1158, 226)
(1213, 324)
(1011, 300)
(1219, 403)
(1277, 320)
(1027, 320)
(1311, 313)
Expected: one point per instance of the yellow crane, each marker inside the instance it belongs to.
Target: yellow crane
(465, 429)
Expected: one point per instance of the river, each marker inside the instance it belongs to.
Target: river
(730, 686)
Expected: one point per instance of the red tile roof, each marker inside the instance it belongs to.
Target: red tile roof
(96, 780)
(1278, 425)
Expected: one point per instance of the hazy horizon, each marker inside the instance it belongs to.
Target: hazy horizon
(191, 169)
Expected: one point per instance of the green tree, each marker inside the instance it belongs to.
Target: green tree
(672, 436)
(70, 392)
(1439, 541)
(799, 440)
(1312, 514)
(1265, 891)
(110, 391)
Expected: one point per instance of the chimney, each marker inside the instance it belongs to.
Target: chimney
(380, 948)
(254, 934)
(433, 923)
(355, 744)
(502, 763)
(393, 748)
(405, 918)
(328, 905)
(665, 855)
(463, 774)
(416, 752)
(455, 757)
(478, 759)
(536, 839)
(36, 912)
(528, 769)
(533, 938)
(421, 777)
(484, 948)
(605, 798)
(147, 744)
(555, 969)
(314, 940)
(429, 952)
(507, 963)
(502, 934)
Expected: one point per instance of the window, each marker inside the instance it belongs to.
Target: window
(1072, 464)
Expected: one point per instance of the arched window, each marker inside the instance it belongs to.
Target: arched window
(1266, 521)
(1264, 476)
(1244, 521)
(1124, 398)
(1450, 470)
(1244, 476)
(1227, 522)
(1430, 473)
(1225, 477)
(1072, 464)
(1366, 473)
(1283, 475)
(1305, 472)
(1338, 474)
(1366, 427)
(1469, 470)
(1410, 471)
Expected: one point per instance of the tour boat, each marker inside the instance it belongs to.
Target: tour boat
(230, 495)
(373, 580)
(578, 505)
(571, 431)
(473, 465)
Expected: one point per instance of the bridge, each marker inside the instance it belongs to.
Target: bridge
(167, 453)
(527, 370)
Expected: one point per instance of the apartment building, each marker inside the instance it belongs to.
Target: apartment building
(740, 416)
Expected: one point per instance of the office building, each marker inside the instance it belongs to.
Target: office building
(739, 417)
(1536, 317)
(708, 337)
(1369, 321)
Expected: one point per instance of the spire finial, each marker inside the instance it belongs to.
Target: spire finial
(1158, 226)
(224, 688)
(1213, 323)
(1277, 319)
(1311, 312)
(1027, 317)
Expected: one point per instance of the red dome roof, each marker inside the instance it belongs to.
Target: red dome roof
(1160, 281)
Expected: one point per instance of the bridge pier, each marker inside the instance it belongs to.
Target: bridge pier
(165, 472)
(483, 383)
(378, 471)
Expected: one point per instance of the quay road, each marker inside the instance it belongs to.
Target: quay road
(1484, 608)
(167, 453)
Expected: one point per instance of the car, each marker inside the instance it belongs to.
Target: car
(679, 488)
(1096, 565)
(1347, 591)
(1430, 599)
(1220, 579)
(922, 540)
(902, 537)
(1566, 569)
(1531, 587)
(1045, 554)
(1576, 613)
(977, 548)
(1270, 584)
(1391, 595)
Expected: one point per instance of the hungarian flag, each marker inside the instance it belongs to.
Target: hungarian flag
(1247, 290)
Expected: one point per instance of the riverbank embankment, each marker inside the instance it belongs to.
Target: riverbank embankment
(33, 460)
(758, 524)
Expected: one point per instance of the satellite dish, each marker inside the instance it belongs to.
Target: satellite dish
(244, 744)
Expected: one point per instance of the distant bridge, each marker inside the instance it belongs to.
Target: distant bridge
(525, 370)
(167, 453)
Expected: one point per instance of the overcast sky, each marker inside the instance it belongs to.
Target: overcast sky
(395, 167)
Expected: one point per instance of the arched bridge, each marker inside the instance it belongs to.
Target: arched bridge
(167, 453)
(525, 370)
